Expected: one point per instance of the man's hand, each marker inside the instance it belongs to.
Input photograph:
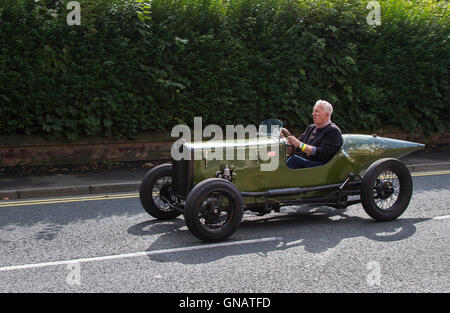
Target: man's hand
(292, 140)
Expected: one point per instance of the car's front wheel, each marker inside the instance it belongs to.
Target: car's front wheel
(386, 189)
(214, 209)
(155, 193)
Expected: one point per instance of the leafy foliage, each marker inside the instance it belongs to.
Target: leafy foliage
(149, 65)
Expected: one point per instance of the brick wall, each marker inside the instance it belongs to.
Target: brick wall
(79, 154)
(35, 150)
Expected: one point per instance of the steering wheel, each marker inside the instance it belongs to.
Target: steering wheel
(289, 148)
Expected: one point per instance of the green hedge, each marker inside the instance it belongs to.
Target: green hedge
(149, 65)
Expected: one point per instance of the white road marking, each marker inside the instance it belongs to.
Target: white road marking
(138, 254)
(443, 217)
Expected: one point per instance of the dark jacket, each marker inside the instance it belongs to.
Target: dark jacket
(327, 140)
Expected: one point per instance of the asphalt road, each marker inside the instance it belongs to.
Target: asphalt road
(109, 244)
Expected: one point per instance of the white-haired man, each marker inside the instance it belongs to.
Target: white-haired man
(320, 142)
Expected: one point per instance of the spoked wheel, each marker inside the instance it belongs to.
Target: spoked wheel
(155, 193)
(214, 210)
(386, 189)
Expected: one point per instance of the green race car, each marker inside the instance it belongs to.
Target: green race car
(213, 192)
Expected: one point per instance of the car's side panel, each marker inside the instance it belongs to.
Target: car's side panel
(357, 153)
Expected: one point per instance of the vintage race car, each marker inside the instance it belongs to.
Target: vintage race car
(213, 194)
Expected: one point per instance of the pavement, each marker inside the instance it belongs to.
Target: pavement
(128, 180)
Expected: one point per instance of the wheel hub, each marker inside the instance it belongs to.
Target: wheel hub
(165, 192)
(211, 211)
(384, 189)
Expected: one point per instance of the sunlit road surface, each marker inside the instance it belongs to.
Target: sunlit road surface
(108, 243)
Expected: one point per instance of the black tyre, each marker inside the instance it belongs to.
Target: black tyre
(214, 210)
(386, 189)
(155, 192)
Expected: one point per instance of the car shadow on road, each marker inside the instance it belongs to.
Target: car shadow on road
(317, 230)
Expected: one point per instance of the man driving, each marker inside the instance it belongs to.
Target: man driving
(320, 141)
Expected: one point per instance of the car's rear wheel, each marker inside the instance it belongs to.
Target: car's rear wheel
(386, 189)
(155, 193)
(214, 210)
